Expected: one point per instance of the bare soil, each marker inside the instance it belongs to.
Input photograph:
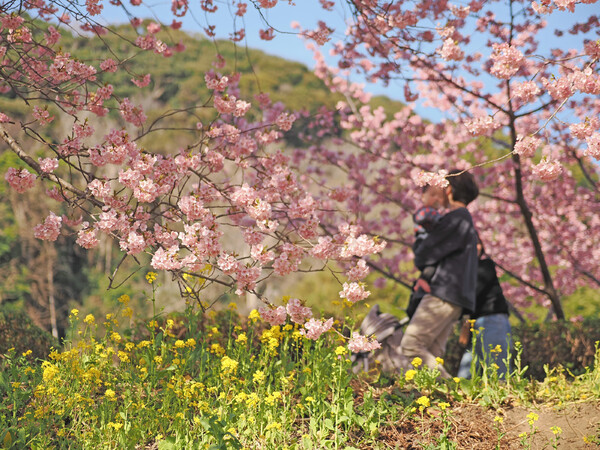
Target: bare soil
(473, 427)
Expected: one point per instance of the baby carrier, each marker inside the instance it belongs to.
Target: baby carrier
(387, 329)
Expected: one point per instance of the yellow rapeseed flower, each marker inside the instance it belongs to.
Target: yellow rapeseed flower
(27, 353)
(228, 365)
(498, 419)
(242, 338)
(151, 277)
(423, 401)
(110, 394)
(50, 371)
(252, 400)
(259, 376)
(410, 374)
(89, 319)
(456, 379)
(416, 362)
(273, 425)
(179, 343)
(254, 315)
(74, 312)
(439, 360)
(124, 299)
(532, 418)
(217, 349)
(191, 343)
(340, 350)
(556, 430)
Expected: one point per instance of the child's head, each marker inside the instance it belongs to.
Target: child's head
(463, 187)
(433, 196)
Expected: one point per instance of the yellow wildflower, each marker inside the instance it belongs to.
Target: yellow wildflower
(124, 299)
(191, 342)
(423, 401)
(273, 425)
(228, 365)
(179, 343)
(151, 277)
(50, 371)
(532, 418)
(89, 319)
(439, 360)
(254, 315)
(259, 376)
(217, 349)
(410, 374)
(498, 419)
(242, 338)
(556, 430)
(252, 400)
(340, 350)
(416, 362)
(110, 394)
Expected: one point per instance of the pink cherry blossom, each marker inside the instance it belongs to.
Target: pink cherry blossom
(297, 312)
(593, 145)
(20, 180)
(450, 51)
(267, 35)
(109, 65)
(547, 170)
(359, 271)
(275, 316)
(527, 146)
(314, 328)
(354, 292)
(42, 115)
(50, 229)
(507, 60)
(48, 165)
(359, 343)
(482, 126)
(87, 237)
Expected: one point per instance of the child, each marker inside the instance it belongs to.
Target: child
(490, 320)
(425, 220)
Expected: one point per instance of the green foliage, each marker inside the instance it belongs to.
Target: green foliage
(17, 332)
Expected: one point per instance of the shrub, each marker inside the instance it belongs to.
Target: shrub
(19, 332)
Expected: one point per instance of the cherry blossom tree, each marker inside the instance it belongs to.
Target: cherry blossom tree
(174, 206)
(524, 122)
(519, 110)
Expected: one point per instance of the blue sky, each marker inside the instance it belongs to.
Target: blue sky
(307, 12)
